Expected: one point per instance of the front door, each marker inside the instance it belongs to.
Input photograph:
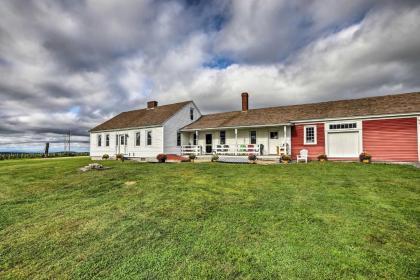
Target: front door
(209, 143)
(274, 142)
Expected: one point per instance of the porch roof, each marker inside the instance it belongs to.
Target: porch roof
(283, 115)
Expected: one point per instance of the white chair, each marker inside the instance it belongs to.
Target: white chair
(303, 155)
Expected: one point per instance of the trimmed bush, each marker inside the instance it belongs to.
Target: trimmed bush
(105, 156)
(214, 158)
(161, 158)
(119, 157)
(322, 157)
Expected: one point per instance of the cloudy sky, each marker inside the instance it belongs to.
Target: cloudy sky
(69, 65)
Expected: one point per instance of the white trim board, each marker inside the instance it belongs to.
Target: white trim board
(235, 127)
(418, 137)
(387, 116)
(315, 134)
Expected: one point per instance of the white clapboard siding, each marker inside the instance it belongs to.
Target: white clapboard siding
(174, 124)
(130, 149)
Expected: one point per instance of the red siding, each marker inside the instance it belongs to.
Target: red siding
(391, 139)
(297, 141)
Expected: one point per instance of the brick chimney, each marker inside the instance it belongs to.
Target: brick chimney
(152, 104)
(244, 101)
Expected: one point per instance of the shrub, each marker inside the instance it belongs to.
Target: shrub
(322, 157)
(286, 158)
(105, 156)
(119, 157)
(365, 157)
(214, 158)
(192, 157)
(252, 158)
(161, 157)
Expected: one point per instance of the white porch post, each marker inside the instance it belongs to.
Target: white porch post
(284, 139)
(196, 143)
(236, 141)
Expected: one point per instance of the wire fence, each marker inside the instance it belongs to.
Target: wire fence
(13, 155)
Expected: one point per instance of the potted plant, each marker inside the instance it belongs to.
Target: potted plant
(365, 157)
(252, 158)
(161, 158)
(285, 159)
(215, 157)
(105, 156)
(192, 157)
(322, 158)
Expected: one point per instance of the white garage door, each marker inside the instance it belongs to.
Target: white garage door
(343, 144)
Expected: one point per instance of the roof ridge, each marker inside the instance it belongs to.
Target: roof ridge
(160, 106)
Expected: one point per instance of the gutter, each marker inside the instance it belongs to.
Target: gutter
(125, 128)
(232, 127)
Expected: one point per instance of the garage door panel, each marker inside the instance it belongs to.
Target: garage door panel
(343, 144)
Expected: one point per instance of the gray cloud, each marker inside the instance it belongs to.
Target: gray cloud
(69, 65)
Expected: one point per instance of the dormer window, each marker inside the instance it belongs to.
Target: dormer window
(192, 114)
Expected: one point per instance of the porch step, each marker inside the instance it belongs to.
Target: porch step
(233, 159)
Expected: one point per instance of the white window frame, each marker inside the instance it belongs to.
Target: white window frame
(151, 138)
(107, 140)
(192, 113)
(139, 138)
(315, 135)
(178, 137)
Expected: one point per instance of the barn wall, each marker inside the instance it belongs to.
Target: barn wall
(391, 139)
(298, 141)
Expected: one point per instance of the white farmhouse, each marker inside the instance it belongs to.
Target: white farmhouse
(143, 133)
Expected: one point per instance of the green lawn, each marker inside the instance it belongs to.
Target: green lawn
(214, 221)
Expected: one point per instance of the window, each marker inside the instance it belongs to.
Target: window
(149, 138)
(222, 137)
(343, 125)
(310, 135)
(274, 135)
(191, 113)
(253, 136)
(178, 139)
(122, 139)
(137, 138)
(195, 139)
(99, 140)
(107, 140)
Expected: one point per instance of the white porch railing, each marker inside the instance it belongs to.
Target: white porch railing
(240, 149)
(191, 150)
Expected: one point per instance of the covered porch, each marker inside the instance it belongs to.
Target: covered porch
(238, 141)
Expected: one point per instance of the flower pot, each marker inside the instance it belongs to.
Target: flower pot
(322, 160)
(366, 161)
(285, 161)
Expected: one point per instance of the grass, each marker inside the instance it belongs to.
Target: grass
(214, 221)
